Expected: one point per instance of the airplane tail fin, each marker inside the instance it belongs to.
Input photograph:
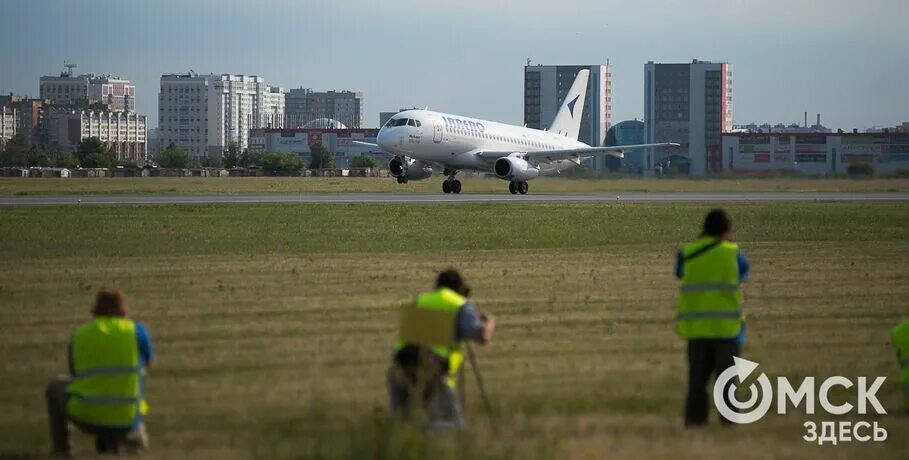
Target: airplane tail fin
(567, 121)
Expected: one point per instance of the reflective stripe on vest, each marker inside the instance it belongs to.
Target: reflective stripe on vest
(709, 314)
(106, 388)
(707, 287)
(710, 296)
(432, 310)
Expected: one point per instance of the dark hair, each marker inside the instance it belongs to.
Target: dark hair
(109, 302)
(716, 223)
(451, 279)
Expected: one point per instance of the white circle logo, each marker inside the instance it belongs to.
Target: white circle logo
(740, 412)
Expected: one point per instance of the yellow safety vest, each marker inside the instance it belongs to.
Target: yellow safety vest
(432, 322)
(900, 339)
(106, 388)
(709, 305)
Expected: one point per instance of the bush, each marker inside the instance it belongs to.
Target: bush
(860, 170)
(363, 161)
(902, 173)
(280, 164)
(173, 157)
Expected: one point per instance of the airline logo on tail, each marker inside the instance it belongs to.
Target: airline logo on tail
(571, 105)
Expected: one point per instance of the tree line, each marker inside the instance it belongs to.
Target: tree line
(92, 153)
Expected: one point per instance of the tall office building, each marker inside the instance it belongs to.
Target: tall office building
(690, 104)
(9, 120)
(29, 114)
(67, 90)
(545, 87)
(304, 105)
(203, 114)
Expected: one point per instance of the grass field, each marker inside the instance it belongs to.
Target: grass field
(245, 185)
(273, 323)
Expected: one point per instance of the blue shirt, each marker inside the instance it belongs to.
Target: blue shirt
(469, 321)
(744, 269)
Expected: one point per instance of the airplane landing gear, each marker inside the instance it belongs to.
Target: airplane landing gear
(516, 187)
(451, 185)
(402, 179)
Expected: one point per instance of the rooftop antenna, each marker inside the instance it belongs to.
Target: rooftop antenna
(69, 68)
(528, 62)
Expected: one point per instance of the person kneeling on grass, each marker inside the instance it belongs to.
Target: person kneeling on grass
(103, 394)
(430, 349)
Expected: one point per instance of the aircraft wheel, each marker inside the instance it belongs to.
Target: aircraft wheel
(400, 179)
(455, 186)
(446, 187)
(512, 187)
(404, 180)
(523, 188)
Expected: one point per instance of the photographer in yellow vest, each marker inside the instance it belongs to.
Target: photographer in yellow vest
(429, 352)
(900, 339)
(709, 309)
(103, 394)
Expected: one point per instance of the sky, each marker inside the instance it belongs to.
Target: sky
(845, 59)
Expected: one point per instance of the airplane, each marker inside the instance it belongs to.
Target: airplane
(419, 139)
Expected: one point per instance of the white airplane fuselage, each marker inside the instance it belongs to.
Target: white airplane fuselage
(452, 141)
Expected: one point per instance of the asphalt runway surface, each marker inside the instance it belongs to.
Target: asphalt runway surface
(443, 198)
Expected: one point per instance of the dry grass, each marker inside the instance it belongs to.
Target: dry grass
(246, 185)
(276, 348)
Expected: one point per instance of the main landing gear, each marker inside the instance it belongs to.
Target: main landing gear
(402, 179)
(451, 185)
(516, 187)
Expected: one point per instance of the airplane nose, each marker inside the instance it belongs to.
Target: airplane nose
(383, 139)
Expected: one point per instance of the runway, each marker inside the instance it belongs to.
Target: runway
(442, 198)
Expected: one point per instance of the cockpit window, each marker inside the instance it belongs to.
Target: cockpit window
(410, 122)
(390, 122)
(400, 122)
(417, 122)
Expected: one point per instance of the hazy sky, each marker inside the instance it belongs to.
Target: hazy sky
(847, 59)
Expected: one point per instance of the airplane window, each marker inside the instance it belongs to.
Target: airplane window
(418, 123)
(411, 122)
(390, 122)
(400, 122)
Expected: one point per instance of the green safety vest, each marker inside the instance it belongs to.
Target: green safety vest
(431, 322)
(900, 339)
(709, 305)
(106, 387)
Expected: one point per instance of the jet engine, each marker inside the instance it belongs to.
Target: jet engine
(409, 169)
(515, 169)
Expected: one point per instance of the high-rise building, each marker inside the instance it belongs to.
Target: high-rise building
(304, 105)
(9, 119)
(203, 114)
(545, 87)
(690, 104)
(67, 90)
(29, 113)
(122, 132)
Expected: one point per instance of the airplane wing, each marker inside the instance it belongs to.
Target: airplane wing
(367, 144)
(571, 154)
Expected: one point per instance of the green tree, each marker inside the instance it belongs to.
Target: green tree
(363, 161)
(232, 155)
(173, 157)
(321, 157)
(88, 146)
(36, 157)
(212, 162)
(64, 160)
(99, 160)
(15, 153)
(280, 164)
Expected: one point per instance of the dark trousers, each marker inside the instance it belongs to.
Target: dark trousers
(706, 358)
(106, 440)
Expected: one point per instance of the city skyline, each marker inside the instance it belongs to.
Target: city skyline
(843, 60)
